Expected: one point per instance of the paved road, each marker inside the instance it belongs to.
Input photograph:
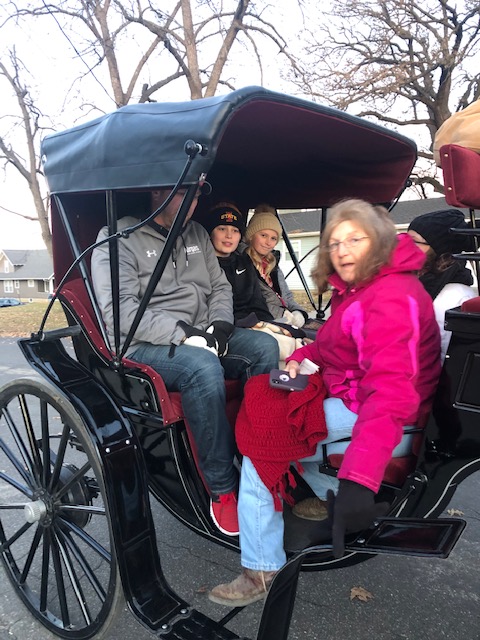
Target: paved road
(413, 599)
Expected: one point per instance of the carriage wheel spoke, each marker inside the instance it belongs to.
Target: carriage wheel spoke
(27, 461)
(13, 505)
(74, 581)
(85, 566)
(20, 487)
(57, 565)
(60, 458)
(45, 572)
(78, 475)
(16, 536)
(28, 478)
(37, 464)
(45, 442)
(99, 511)
(33, 548)
(88, 540)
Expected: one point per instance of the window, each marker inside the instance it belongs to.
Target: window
(8, 286)
(31, 283)
(16, 284)
(42, 286)
(296, 246)
(6, 267)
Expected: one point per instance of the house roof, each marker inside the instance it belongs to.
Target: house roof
(29, 264)
(17, 257)
(402, 214)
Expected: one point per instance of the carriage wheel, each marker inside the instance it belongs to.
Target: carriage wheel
(55, 530)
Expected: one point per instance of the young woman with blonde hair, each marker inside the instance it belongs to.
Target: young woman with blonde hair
(262, 235)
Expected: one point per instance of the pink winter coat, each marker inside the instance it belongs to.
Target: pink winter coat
(380, 353)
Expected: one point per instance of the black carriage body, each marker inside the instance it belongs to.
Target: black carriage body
(252, 145)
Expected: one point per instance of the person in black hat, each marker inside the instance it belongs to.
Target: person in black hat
(448, 281)
(226, 225)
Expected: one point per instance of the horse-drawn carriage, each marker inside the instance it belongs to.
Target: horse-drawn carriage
(82, 452)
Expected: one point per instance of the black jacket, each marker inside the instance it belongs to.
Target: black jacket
(247, 295)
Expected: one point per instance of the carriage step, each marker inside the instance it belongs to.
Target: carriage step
(195, 626)
(423, 537)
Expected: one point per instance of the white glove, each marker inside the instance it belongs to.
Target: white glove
(287, 317)
(298, 319)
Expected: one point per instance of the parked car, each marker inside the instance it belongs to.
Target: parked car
(9, 302)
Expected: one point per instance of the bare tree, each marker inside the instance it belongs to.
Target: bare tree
(27, 120)
(210, 37)
(401, 62)
(185, 39)
(190, 39)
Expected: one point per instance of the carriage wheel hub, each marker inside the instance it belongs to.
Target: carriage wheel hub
(35, 511)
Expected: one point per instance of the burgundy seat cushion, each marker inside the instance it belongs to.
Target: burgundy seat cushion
(472, 305)
(396, 472)
(461, 173)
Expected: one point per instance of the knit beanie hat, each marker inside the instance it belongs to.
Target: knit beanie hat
(434, 227)
(224, 213)
(263, 219)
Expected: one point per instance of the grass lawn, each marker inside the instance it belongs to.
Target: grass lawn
(23, 320)
(302, 299)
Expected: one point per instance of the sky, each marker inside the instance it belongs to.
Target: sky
(52, 64)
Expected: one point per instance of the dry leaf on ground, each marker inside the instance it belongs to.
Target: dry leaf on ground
(455, 512)
(202, 589)
(360, 593)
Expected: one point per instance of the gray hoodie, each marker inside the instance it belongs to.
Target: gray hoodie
(193, 287)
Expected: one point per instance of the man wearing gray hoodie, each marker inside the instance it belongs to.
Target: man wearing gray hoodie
(187, 335)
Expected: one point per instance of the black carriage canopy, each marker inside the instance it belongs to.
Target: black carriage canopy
(261, 146)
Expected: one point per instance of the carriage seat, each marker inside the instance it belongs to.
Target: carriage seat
(471, 306)
(396, 472)
(75, 296)
(461, 171)
(398, 468)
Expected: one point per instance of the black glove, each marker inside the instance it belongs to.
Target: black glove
(198, 338)
(222, 332)
(353, 509)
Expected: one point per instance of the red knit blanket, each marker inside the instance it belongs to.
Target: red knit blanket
(276, 428)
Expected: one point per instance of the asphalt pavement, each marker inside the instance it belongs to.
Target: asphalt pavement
(408, 598)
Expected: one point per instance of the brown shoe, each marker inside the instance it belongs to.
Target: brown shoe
(249, 587)
(311, 509)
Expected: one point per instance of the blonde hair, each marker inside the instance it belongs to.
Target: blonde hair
(378, 226)
(264, 217)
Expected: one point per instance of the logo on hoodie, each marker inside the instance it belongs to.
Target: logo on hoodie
(151, 253)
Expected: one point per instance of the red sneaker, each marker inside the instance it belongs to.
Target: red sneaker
(223, 509)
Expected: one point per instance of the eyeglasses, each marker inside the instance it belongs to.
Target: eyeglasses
(349, 243)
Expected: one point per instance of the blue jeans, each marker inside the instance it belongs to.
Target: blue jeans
(261, 527)
(200, 377)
